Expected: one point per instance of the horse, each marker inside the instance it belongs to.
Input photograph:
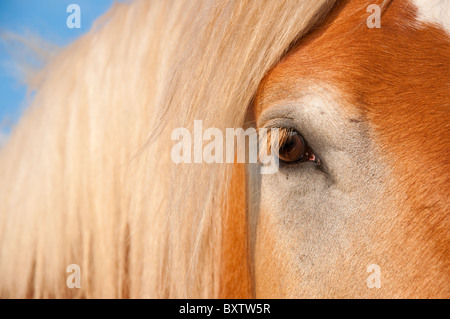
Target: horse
(358, 208)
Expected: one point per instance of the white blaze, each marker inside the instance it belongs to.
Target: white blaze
(435, 12)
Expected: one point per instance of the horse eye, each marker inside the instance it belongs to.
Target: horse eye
(293, 148)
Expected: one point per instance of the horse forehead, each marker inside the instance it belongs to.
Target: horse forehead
(316, 58)
(361, 61)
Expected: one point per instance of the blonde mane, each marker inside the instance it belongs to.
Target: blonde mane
(86, 177)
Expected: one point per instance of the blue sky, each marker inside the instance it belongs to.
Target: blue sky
(47, 19)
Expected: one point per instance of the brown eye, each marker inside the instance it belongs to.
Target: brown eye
(290, 147)
(293, 148)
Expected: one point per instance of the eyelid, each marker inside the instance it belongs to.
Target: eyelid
(283, 124)
(282, 137)
(280, 112)
(287, 123)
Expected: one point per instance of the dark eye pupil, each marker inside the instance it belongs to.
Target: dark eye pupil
(294, 149)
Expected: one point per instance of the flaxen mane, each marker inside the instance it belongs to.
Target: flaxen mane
(86, 177)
